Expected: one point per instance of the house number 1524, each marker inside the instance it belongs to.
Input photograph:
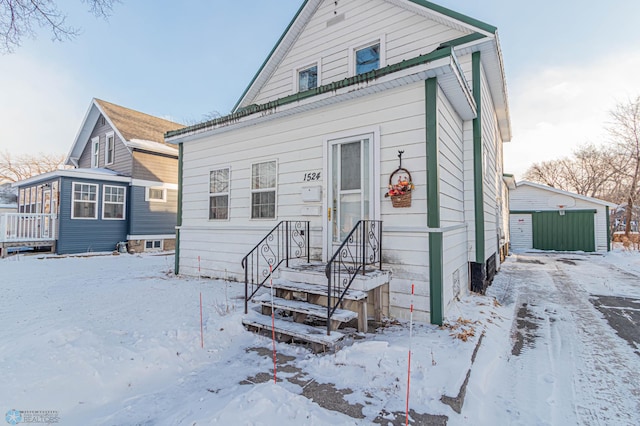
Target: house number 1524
(311, 176)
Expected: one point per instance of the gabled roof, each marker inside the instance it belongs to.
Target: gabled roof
(567, 193)
(131, 126)
(424, 8)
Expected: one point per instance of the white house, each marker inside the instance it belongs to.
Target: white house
(547, 218)
(317, 136)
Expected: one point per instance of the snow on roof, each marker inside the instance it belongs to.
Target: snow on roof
(93, 173)
(151, 146)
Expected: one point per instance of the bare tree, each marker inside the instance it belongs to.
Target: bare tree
(551, 173)
(14, 169)
(19, 18)
(625, 140)
(588, 172)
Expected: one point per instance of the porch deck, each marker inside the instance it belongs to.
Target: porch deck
(27, 230)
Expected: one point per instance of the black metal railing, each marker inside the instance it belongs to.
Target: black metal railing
(288, 240)
(362, 247)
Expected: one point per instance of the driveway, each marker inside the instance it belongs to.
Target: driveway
(575, 354)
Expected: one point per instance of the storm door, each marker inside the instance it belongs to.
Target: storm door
(350, 189)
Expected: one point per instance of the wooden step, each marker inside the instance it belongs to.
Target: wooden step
(320, 290)
(292, 331)
(318, 311)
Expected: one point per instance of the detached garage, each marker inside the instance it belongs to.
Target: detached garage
(546, 218)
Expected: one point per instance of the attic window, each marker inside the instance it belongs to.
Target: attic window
(368, 59)
(308, 78)
(102, 120)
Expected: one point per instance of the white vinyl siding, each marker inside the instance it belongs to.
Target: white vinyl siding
(114, 202)
(84, 203)
(297, 142)
(406, 36)
(521, 232)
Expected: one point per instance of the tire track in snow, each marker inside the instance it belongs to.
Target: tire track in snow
(607, 378)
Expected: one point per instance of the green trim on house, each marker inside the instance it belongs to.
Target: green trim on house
(362, 78)
(608, 225)
(435, 7)
(433, 202)
(275, 47)
(179, 217)
(456, 15)
(436, 278)
(469, 38)
(478, 175)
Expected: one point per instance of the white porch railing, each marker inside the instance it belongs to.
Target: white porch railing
(27, 227)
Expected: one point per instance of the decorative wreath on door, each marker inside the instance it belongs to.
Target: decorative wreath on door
(400, 186)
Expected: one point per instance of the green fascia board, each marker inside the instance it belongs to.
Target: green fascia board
(369, 76)
(456, 15)
(478, 183)
(176, 269)
(275, 47)
(469, 38)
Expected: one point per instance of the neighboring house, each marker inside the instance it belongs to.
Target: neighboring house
(619, 218)
(123, 187)
(8, 199)
(316, 137)
(545, 218)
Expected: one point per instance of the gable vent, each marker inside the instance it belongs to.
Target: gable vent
(335, 20)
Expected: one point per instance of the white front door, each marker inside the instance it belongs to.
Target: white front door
(350, 187)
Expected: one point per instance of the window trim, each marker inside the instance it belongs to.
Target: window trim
(253, 191)
(296, 73)
(106, 148)
(217, 194)
(73, 200)
(124, 202)
(160, 248)
(371, 42)
(95, 152)
(148, 198)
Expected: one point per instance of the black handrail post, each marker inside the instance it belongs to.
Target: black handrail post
(380, 243)
(308, 238)
(286, 241)
(329, 300)
(246, 289)
(363, 226)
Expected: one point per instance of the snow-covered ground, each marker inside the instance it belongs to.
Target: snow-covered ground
(115, 340)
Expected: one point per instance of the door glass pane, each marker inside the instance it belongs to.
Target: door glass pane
(350, 171)
(349, 213)
(334, 192)
(366, 195)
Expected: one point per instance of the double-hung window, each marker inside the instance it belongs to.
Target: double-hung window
(85, 201)
(113, 202)
(95, 151)
(263, 190)
(219, 194)
(110, 149)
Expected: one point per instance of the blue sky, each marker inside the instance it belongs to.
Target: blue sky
(567, 63)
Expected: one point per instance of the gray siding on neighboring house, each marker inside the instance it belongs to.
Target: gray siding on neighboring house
(87, 235)
(152, 218)
(123, 163)
(155, 167)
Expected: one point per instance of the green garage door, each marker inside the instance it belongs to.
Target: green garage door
(569, 232)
